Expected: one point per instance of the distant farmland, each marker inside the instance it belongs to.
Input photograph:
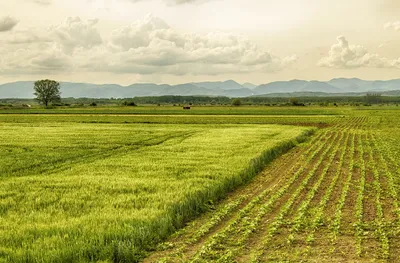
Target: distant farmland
(82, 186)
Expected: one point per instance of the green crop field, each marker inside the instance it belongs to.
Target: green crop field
(333, 199)
(261, 184)
(75, 191)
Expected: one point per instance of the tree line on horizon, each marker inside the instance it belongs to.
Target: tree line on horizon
(48, 92)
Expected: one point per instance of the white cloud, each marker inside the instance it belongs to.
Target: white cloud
(7, 23)
(40, 58)
(392, 26)
(343, 55)
(74, 32)
(148, 46)
(26, 36)
(139, 34)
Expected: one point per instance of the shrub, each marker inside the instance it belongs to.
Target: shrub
(129, 103)
(236, 102)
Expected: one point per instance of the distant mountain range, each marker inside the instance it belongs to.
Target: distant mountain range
(324, 94)
(229, 88)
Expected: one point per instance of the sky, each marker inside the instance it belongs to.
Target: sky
(180, 41)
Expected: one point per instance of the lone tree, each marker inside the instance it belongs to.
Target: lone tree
(47, 91)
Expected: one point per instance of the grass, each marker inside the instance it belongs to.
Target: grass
(80, 192)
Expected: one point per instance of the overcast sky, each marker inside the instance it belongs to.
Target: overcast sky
(177, 41)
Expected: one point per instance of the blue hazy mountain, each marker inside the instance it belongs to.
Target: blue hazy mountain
(229, 88)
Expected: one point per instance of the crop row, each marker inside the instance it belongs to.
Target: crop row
(223, 212)
(318, 218)
(380, 230)
(360, 198)
(335, 226)
(299, 222)
(389, 175)
(279, 219)
(211, 248)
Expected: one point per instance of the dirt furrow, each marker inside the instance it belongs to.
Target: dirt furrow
(336, 240)
(276, 219)
(291, 236)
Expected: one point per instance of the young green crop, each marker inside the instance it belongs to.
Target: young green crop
(359, 229)
(381, 232)
(298, 221)
(245, 225)
(318, 218)
(278, 220)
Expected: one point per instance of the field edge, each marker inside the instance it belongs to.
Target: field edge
(160, 229)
